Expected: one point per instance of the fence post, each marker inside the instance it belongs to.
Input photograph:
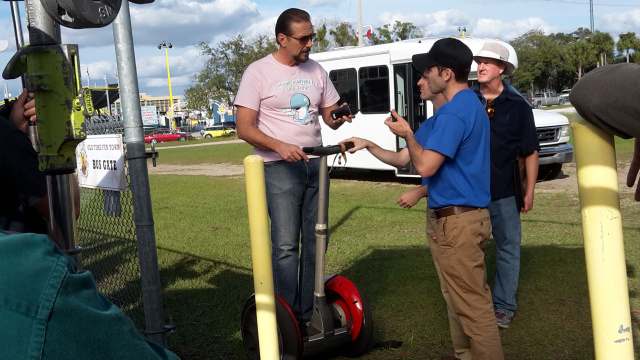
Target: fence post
(139, 177)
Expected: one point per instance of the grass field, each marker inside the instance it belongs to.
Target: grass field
(205, 263)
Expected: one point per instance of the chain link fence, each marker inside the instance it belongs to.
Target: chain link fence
(106, 232)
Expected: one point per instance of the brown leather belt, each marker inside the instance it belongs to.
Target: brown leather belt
(453, 210)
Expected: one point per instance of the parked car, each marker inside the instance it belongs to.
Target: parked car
(217, 130)
(230, 124)
(165, 135)
(565, 95)
(546, 99)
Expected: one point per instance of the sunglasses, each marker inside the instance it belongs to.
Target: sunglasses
(488, 105)
(489, 108)
(304, 39)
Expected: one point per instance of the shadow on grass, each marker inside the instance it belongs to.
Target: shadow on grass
(553, 319)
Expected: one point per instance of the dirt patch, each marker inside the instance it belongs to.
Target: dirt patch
(567, 180)
(222, 170)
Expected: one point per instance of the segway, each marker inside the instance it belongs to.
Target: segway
(341, 316)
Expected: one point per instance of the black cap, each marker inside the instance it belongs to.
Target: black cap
(448, 52)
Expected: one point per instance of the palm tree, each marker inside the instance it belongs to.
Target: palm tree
(628, 41)
(580, 52)
(604, 45)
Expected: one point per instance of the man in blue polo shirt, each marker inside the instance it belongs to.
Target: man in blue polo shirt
(452, 156)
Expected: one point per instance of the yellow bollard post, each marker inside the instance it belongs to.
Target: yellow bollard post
(603, 243)
(261, 257)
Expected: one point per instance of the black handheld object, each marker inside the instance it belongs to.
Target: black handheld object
(392, 117)
(344, 110)
(327, 150)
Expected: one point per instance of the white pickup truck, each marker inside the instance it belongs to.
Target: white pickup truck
(553, 134)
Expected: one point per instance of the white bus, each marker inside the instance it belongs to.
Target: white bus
(376, 79)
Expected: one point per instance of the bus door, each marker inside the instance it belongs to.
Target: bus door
(409, 105)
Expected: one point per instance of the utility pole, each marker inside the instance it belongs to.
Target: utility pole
(360, 43)
(591, 12)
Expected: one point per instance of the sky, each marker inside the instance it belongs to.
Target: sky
(185, 23)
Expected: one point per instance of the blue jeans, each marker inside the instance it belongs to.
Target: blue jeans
(507, 233)
(292, 202)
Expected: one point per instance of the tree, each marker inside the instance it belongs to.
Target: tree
(581, 34)
(399, 31)
(604, 44)
(627, 42)
(222, 72)
(539, 62)
(344, 35)
(321, 43)
(581, 53)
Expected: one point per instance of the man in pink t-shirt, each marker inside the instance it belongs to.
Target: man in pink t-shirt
(280, 100)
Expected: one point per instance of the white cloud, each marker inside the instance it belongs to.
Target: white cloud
(440, 23)
(508, 31)
(617, 23)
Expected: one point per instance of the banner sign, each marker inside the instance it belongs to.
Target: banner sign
(149, 116)
(101, 162)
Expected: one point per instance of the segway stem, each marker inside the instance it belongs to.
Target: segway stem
(321, 228)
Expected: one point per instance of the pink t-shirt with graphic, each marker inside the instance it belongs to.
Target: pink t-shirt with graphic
(287, 99)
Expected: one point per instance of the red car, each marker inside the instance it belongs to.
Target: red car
(165, 135)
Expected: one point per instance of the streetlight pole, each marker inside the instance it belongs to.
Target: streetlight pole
(166, 46)
(106, 84)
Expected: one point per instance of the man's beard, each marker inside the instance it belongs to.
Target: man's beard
(303, 56)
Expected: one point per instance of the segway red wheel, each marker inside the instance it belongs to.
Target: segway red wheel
(341, 293)
(289, 340)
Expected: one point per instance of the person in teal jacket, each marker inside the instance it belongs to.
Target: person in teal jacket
(50, 311)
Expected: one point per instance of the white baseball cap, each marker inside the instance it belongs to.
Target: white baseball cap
(495, 50)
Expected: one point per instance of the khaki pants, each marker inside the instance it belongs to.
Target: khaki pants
(472, 322)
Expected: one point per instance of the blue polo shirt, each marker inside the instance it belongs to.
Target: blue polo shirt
(460, 131)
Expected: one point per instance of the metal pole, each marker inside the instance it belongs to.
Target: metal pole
(43, 30)
(17, 27)
(360, 42)
(173, 117)
(603, 242)
(32, 130)
(106, 85)
(140, 191)
(321, 227)
(591, 14)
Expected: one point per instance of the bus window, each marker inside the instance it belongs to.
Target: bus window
(346, 85)
(374, 89)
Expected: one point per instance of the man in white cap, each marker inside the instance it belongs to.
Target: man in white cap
(513, 135)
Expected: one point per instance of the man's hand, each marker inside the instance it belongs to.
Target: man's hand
(634, 168)
(334, 124)
(358, 143)
(411, 197)
(398, 125)
(290, 152)
(528, 204)
(23, 111)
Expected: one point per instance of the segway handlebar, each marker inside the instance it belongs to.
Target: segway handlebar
(327, 150)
